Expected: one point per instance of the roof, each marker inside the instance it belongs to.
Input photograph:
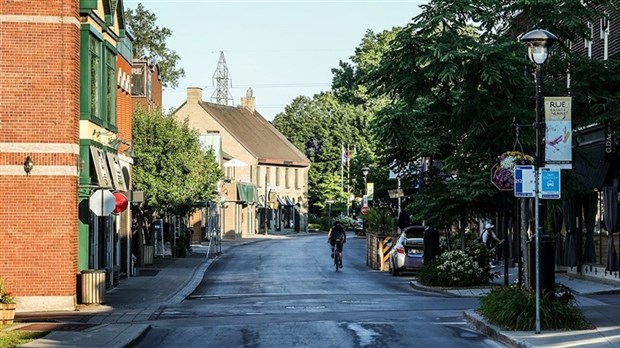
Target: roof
(257, 135)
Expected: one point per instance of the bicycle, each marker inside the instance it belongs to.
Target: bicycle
(337, 256)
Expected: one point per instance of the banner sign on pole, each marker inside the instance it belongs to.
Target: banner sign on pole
(558, 134)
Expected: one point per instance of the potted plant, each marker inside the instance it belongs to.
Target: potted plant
(502, 174)
(7, 305)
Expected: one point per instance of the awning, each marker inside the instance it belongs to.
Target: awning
(285, 201)
(116, 172)
(104, 178)
(590, 167)
(289, 201)
(247, 193)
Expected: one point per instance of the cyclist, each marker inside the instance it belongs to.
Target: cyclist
(337, 237)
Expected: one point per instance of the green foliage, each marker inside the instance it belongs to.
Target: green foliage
(453, 268)
(319, 127)
(171, 167)
(460, 264)
(16, 338)
(514, 308)
(380, 220)
(150, 42)
(5, 294)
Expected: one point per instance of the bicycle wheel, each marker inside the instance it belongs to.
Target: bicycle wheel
(337, 259)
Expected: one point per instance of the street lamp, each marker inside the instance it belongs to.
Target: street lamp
(538, 42)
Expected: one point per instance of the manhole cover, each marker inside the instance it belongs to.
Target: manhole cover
(56, 327)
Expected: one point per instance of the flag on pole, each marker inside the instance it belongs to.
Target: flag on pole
(345, 156)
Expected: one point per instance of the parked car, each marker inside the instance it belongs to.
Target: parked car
(407, 254)
(358, 225)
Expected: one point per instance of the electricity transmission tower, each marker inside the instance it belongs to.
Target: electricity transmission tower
(221, 78)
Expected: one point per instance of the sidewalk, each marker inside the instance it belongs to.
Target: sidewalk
(604, 317)
(121, 320)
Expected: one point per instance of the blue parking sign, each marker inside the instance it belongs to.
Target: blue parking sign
(549, 183)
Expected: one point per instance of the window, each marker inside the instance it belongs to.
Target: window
(258, 176)
(137, 81)
(95, 68)
(296, 178)
(277, 176)
(287, 181)
(267, 176)
(98, 82)
(110, 90)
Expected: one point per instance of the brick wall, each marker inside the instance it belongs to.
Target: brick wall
(39, 116)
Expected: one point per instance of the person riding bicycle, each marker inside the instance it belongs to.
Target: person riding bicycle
(337, 237)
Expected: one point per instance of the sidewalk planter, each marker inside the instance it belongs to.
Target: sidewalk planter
(148, 252)
(93, 286)
(7, 313)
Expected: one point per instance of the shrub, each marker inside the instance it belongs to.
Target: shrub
(514, 308)
(453, 268)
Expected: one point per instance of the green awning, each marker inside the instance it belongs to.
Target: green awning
(247, 193)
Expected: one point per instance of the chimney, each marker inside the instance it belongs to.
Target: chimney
(194, 94)
(249, 102)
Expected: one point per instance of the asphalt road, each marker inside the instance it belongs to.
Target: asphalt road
(286, 293)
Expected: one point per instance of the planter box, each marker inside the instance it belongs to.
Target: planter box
(7, 313)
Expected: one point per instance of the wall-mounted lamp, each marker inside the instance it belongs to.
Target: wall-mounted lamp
(129, 152)
(28, 164)
(98, 133)
(116, 142)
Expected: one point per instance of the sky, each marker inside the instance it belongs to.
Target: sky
(281, 49)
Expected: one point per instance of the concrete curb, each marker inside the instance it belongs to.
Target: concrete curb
(492, 331)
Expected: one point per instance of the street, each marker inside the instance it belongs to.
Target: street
(286, 293)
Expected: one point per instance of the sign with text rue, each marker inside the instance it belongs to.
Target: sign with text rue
(525, 181)
(549, 183)
(558, 132)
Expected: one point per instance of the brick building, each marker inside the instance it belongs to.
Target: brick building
(59, 95)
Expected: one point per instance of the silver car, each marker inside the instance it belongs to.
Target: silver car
(407, 252)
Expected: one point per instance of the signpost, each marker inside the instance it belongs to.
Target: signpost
(102, 202)
(549, 183)
(524, 186)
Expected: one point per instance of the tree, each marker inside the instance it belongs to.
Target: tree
(171, 168)
(319, 127)
(150, 43)
(456, 79)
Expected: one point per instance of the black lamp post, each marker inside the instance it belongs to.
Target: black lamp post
(538, 42)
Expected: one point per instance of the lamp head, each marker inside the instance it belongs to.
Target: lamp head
(538, 42)
(28, 164)
(365, 171)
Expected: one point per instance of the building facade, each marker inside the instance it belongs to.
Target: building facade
(266, 177)
(40, 125)
(65, 115)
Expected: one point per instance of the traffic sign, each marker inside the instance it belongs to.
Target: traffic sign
(364, 210)
(102, 202)
(549, 183)
(525, 183)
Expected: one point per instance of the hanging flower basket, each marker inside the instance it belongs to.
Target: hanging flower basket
(502, 173)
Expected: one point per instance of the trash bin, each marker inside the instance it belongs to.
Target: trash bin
(93, 286)
(547, 265)
(148, 252)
